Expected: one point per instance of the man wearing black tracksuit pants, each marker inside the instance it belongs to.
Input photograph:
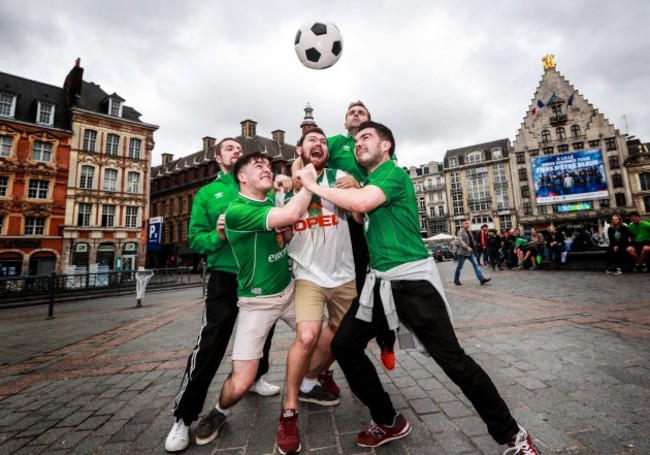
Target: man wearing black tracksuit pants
(220, 310)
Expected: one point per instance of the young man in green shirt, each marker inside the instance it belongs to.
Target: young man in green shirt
(220, 309)
(639, 249)
(409, 289)
(265, 288)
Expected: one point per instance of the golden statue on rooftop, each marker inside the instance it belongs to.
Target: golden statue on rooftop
(549, 61)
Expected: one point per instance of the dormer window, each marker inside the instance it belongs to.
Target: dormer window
(115, 107)
(453, 162)
(7, 105)
(45, 113)
(475, 157)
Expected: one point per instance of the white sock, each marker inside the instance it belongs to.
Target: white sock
(223, 411)
(307, 385)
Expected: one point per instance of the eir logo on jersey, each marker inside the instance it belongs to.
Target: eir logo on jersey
(320, 221)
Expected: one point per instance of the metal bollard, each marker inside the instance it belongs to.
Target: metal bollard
(50, 290)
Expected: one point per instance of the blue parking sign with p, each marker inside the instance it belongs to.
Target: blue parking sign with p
(154, 233)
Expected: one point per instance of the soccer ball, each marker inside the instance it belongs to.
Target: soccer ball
(318, 45)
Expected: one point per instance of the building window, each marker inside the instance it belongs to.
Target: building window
(132, 182)
(475, 157)
(521, 158)
(7, 105)
(45, 113)
(575, 130)
(6, 143)
(441, 210)
(594, 144)
(560, 133)
(2, 224)
(38, 189)
(83, 218)
(610, 143)
(528, 208)
(112, 144)
(42, 151)
(505, 221)
(108, 216)
(546, 136)
(4, 184)
(131, 217)
(541, 209)
(114, 107)
(525, 191)
(189, 203)
(614, 162)
(432, 211)
(533, 152)
(87, 176)
(458, 204)
(90, 141)
(110, 180)
(523, 174)
(620, 199)
(578, 146)
(644, 181)
(34, 226)
(453, 162)
(135, 145)
(496, 154)
(646, 204)
(604, 203)
(564, 148)
(617, 180)
(547, 150)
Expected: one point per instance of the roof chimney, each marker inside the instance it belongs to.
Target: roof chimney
(278, 136)
(208, 142)
(72, 84)
(248, 128)
(167, 158)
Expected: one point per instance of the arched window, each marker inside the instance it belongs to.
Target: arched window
(559, 132)
(546, 136)
(575, 130)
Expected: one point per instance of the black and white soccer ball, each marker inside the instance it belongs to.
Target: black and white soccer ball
(318, 45)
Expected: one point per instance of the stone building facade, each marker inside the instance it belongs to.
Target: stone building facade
(430, 190)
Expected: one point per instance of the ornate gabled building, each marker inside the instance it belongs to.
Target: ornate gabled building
(108, 184)
(35, 139)
(175, 183)
(568, 160)
(479, 187)
(430, 191)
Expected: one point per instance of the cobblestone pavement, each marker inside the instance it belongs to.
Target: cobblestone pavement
(568, 351)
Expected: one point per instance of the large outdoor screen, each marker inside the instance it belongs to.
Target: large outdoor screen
(569, 177)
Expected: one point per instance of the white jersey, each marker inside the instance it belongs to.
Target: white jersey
(321, 248)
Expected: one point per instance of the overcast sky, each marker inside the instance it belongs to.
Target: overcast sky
(442, 74)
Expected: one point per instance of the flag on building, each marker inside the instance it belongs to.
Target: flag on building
(552, 99)
(539, 105)
(570, 100)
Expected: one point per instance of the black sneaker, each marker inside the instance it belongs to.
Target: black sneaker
(209, 427)
(458, 283)
(485, 280)
(319, 395)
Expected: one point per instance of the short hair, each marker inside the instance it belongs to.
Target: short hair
(313, 130)
(217, 148)
(384, 133)
(463, 220)
(357, 103)
(247, 159)
(635, 213)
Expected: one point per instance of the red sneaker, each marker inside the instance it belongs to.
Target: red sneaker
(379, 434)
(388, 358)
(327, 382)
(522, 444)
(288, 436)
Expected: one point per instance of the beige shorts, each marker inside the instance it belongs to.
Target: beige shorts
(311, 300)
(256, 317)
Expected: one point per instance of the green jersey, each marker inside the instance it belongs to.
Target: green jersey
(640, 232)
(392, 229)
(263, 264)
(341, 156)
(211, 201)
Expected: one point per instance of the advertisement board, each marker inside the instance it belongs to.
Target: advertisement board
(568, 177)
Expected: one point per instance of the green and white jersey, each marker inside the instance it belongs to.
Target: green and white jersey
(341, 156)
(393, 229)
(263, 267)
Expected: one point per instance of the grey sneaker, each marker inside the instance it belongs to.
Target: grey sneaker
(209, 427)
(178, 438)
(319, 395)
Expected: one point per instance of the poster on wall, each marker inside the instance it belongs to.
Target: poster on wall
(568, 177)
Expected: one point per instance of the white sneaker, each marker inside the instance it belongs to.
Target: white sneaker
(178, 438)
(261, 387)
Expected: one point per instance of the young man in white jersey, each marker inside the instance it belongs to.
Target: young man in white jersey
(403, 284)
(323, 267)
(265, 289)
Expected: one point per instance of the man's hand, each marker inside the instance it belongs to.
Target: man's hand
(307, 176)
(347, 181)
(295, 167)
(282, 182)
(221, 227)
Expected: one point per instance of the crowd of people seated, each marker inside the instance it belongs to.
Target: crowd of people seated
(627, 246)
